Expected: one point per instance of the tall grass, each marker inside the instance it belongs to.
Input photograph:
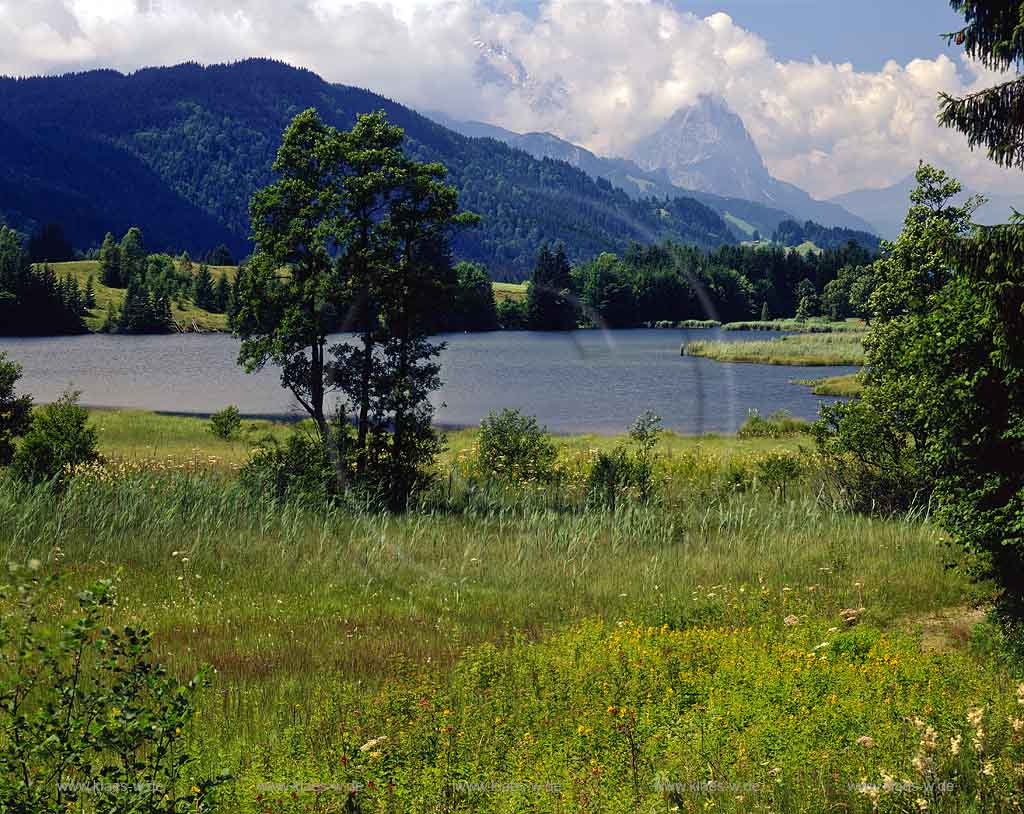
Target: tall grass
(829, 349)
(506, 605)
(844, 386)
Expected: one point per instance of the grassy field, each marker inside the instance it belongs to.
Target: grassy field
(81, 270)
(141, 436)
(507, 651)
(817, 349)
(510, 291)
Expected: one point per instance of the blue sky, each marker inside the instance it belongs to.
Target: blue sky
(866, 33)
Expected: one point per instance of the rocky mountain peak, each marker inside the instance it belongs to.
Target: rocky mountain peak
(705, 146)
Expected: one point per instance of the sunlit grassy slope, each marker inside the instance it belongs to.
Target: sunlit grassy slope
(204, 320)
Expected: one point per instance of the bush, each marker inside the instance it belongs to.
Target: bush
(611, 473)
(622, 469)
(59, 440)
(301, 469)
(512, 315)
(777, 470)
(868, 465)
(513, 446)
(778, 425)
(15, 411)
(88, 721)
(226, 424)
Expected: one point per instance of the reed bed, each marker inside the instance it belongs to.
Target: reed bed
(822, 349)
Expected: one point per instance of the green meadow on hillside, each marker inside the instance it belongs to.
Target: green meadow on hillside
(81, 270)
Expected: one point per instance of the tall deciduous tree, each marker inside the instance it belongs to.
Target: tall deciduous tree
(110, 263)
(133, 255)
(413, 286)
(352, 235)
(287, 302)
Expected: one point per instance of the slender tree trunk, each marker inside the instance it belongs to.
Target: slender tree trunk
(364, 401)
(366, 374)
(320, 417)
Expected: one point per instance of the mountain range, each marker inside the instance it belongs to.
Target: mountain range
(886, 208)
(703, 151)
(705, 147)
(179, 151)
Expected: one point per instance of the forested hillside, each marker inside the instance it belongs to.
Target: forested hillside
(179, 152)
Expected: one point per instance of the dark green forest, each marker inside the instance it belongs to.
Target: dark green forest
(34, 301)
(179, 152)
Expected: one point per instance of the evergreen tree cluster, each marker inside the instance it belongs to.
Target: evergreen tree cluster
(551, 304)
(34, 301)
(152, 282)
(49, 245)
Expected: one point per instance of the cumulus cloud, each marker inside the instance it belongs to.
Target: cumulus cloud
(603, 73)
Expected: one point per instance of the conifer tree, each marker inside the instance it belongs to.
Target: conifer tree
(89, 298)
(550, 303)
(112, 321)
(994, 117)
(222, 294)
(202, 289)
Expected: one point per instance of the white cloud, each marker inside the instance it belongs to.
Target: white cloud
(617, 68)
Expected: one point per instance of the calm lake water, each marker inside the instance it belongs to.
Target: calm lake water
(587, 381)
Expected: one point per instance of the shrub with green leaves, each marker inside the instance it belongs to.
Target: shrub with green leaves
(300, 469)
(60, 439)
(779, 424)
(622, 469)
(514, 447)
(89, 722)
(15, 411)
(777, 470)
(226, 424)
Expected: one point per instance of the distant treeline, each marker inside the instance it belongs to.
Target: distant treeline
(667, 283)
(152, 282)
(670, 283)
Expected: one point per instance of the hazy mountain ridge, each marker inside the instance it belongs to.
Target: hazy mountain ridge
(887, 207)
(744, 217)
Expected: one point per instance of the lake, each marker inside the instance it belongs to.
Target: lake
(586, 381)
